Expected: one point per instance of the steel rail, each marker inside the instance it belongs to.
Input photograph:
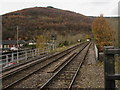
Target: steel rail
(34, 71)
(43, 86)
(40, 60)
(71, 59)
(36, 62)
(29, 58)
(80, 65)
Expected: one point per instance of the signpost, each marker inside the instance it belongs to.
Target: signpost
(53, 38)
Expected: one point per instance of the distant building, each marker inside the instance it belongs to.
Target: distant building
(31, 42)
(21, 43)
(8, 43)
(11, 43)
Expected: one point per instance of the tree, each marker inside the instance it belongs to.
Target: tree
(40, 41)
(102, 32)
(87, 36)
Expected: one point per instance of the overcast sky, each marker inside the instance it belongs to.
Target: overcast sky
(85, 7)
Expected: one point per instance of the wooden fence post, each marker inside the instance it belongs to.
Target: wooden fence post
(109, 68)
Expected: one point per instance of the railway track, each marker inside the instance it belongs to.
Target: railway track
(6, 72)
(84, 77)
(64, 77)
(30, 59)
(11, 79)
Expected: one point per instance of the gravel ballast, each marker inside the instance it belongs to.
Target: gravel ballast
(91, 75)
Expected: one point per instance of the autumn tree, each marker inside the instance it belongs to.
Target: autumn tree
(102, 32)
(87, 36)
(40, 41)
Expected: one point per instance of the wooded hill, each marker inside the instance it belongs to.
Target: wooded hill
(36, 21)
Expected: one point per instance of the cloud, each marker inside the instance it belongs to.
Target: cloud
(91, 7)
(100, 3)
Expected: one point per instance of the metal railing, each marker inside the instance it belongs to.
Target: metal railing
(16, 57)
(109, 67)
(96, 52)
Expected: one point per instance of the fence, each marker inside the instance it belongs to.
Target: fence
(96, 52)
(16, 57)
(109, 67)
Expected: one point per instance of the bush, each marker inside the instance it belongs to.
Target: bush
(64, 43)
(30, 46)
(60, 45)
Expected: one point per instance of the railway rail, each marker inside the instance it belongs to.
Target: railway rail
(22, 66)
(11, 59)
(87, 75)
(64, 77)
(16, 65)
(11, 79)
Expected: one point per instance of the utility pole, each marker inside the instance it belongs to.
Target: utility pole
(17, 46)
(17, 36)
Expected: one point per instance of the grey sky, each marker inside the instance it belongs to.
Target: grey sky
(85, 7)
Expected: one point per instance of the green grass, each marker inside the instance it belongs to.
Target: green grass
(59, 49)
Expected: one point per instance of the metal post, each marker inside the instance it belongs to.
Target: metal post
(53, 44)
(43, 50)
(12, 57)
(17, 45)
(6, 59)
(109, 69)
(32, 51)
(26, 55)
(35, 52)
(17, 57)
(38, 51)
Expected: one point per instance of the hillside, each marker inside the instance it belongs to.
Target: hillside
(45, 20)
